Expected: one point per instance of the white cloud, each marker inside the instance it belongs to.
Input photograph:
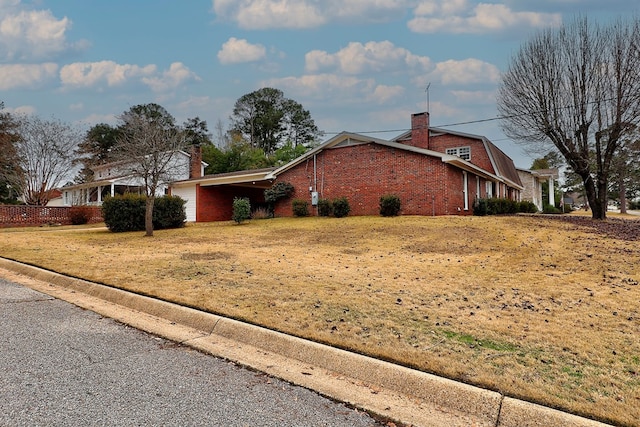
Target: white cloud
(90, 74)
(383, 94)
(23, 110)
(465, 72)
(297, 14)
(236, 51)
(461, 16)
(366, 10)
(28, 76)
(324, 86)
(263, 14)
(347, 89)
(34, 35)
(175, 76)
(358, 58)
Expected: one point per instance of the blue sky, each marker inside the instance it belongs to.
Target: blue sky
(356, 65)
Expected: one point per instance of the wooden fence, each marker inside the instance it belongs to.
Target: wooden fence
(35, 216)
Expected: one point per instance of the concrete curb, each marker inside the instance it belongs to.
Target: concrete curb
(392, 391)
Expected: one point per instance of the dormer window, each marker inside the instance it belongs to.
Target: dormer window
(462, 152)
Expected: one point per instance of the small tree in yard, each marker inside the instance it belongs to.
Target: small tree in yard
(147, 147)
(241, 209)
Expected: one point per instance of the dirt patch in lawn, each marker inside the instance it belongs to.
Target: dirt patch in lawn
(540, 308)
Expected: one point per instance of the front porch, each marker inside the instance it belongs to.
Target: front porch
(93, 193)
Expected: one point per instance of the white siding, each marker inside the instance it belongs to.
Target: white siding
(189, 194)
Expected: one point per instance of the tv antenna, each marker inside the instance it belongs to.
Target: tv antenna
(426, 91)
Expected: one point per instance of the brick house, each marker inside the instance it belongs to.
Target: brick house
(433, 171)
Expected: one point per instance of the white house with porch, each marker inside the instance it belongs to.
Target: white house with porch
(532, 180)
(111, 179)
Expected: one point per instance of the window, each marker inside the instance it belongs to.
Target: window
(489, 188)
(462, 152)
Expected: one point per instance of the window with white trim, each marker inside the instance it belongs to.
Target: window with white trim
(462, 152)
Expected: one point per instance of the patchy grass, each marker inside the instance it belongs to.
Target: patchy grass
(540, 308)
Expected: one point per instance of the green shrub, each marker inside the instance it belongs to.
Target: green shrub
(527, 206)
(390, 205)
(279, 190)
(300, 207)
(126, 212)
(480, 207)
(241, 209)
(548, 209)
(80, 214)
(169, 212)
(325, 207)
(341, 207)
(502, 206)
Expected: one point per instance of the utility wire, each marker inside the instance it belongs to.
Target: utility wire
(491, 119)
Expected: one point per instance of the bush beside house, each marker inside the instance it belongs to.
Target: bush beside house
(126, 212)
(241, 209)
(390, 205)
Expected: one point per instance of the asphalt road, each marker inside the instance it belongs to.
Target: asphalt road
(64, 366)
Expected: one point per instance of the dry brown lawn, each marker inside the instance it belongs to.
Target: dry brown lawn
(544, 309)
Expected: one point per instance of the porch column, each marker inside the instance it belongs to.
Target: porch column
(552, 198)
(99, 194)
(113, 189)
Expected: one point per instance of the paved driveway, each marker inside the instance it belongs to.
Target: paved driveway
(64, 366)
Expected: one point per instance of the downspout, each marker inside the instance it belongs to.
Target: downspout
(315, 174)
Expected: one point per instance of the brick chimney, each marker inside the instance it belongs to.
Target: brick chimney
(419, 130)
(195, 163)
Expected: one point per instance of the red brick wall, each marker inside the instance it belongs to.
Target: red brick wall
(215, 203)
(35, 216)
(363, 173)
(479, 155)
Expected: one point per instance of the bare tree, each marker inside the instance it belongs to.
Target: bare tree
(9, 162)
(146, 149)
(45, 154)
(576, 87)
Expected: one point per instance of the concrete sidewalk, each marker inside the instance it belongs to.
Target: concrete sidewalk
(405, 395)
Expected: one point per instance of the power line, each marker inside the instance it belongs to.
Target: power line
(566, 107)
(438, 126)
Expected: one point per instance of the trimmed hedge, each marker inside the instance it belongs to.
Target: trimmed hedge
(341, 207)
(390, 205)
(300, 207)
(495, 206)
(80, 214)
(126, 212)
(325, 207)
